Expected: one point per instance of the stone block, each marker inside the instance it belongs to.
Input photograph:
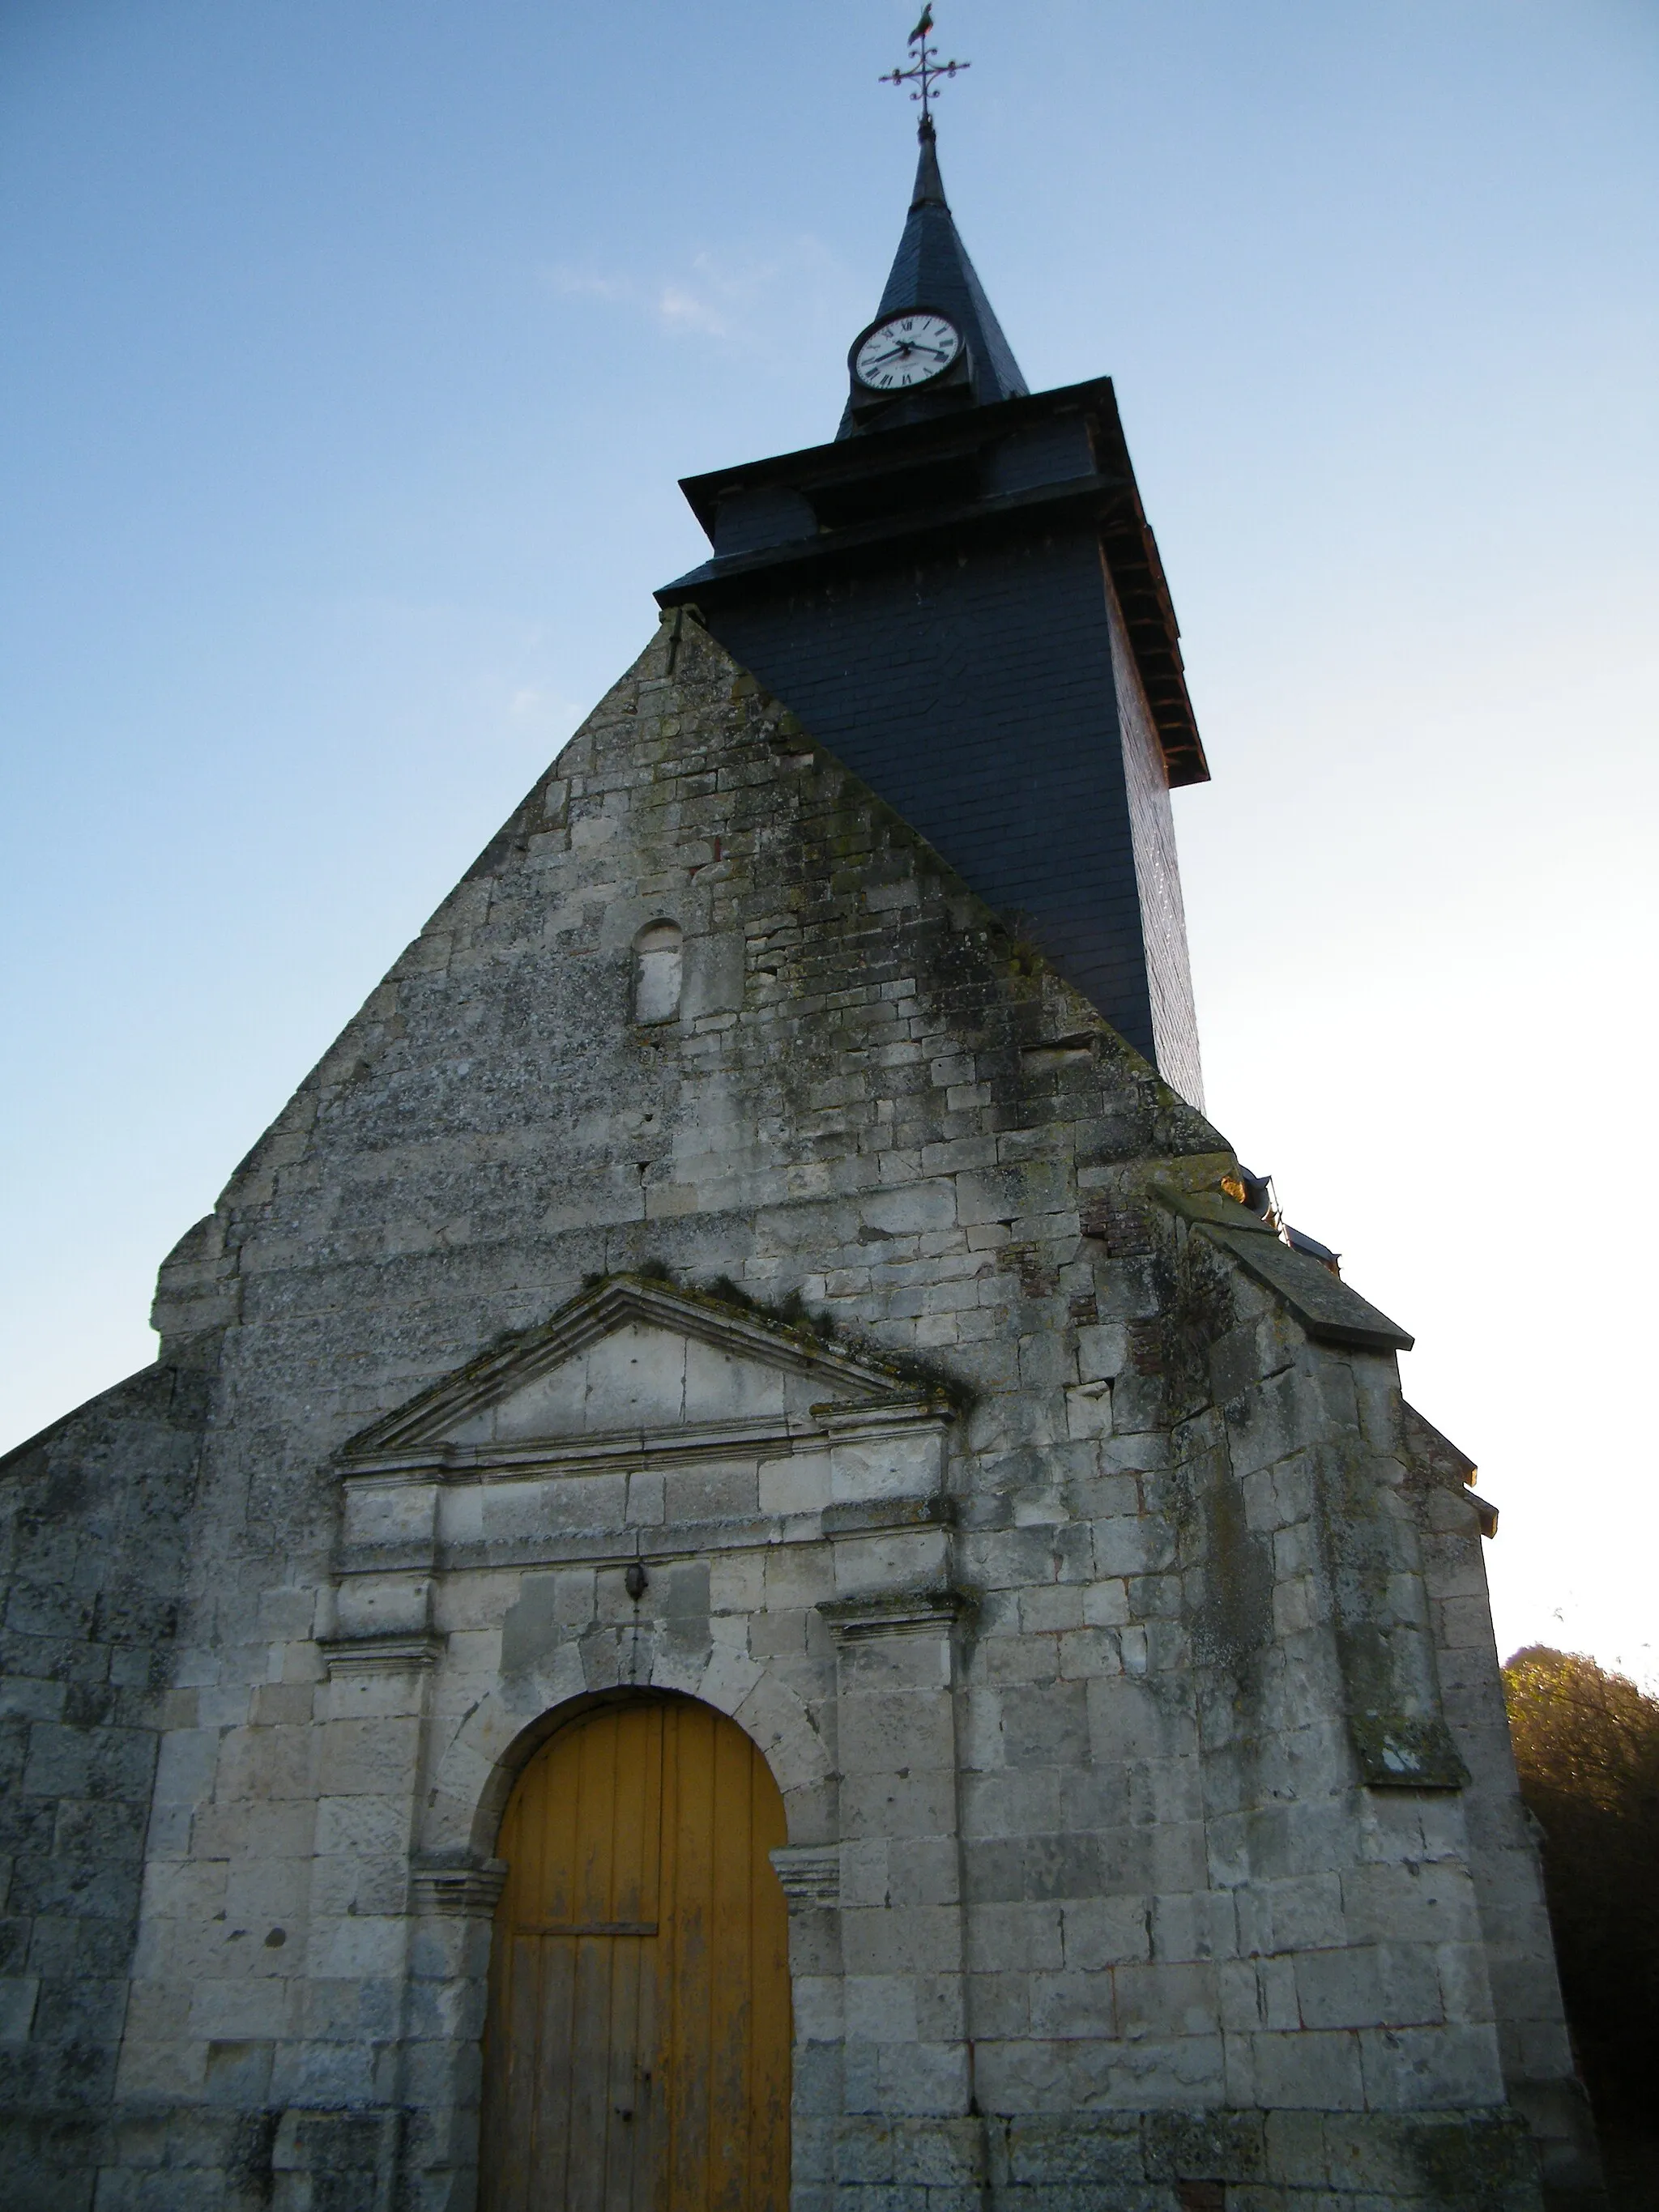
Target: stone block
(998, 2005)
(1412, 1903)
(820, 2006)
(880, 2007)
(1088, 1410)
(1295, 2149)
(922, 2078)
(913, 1939)
(1165, 2001)
(243, 2010)
(923, 1871)
(1016, 1937)
(1368, 1986)
(1073, 2004)
(1058, 1606)
(1107, 1931)
(1067, 2076)
(880, 1732)
(1045, 1726)
(1129, 1545)
(1129, 1719)
(1306, 2070)
(1194, 1924)
(1102, 1353)
(1106, 1604)
(353, 1946)
(18, 1995)
(1419, 2069)
(357, 1758)
(898, 1803)
(1304, 1913)
(911, 1208)
(1194, 2146)
(875, 1565)
(1072, 2153)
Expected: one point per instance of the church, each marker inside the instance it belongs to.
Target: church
(752, 1574)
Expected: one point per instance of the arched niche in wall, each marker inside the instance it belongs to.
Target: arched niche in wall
(659, 971)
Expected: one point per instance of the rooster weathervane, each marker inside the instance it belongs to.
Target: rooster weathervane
(925, 71)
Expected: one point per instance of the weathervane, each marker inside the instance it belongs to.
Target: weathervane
(925, 70)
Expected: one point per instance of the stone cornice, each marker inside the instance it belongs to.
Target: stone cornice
(895, 1612)
(441, 1461)
(380, 1655)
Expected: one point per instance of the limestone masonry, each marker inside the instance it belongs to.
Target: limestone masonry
(718, 1188)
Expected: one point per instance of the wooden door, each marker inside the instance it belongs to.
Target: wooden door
(636, 2058)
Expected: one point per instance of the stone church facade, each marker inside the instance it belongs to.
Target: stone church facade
(729, 1263)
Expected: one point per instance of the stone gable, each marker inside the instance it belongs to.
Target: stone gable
(722, 1260)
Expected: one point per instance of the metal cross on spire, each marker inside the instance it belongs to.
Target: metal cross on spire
(925, 71)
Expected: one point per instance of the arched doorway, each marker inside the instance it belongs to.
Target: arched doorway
(636, 2056)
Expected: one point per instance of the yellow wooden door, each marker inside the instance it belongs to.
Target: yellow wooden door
(636, 2058)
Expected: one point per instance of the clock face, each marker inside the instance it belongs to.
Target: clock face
(906, 350)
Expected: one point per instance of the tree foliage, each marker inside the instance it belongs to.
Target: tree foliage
(1587, 1746)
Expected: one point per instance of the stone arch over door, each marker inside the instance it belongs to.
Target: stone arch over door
(637, 2044)
(477, 1766)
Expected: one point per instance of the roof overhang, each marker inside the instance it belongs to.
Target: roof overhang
(935, 471)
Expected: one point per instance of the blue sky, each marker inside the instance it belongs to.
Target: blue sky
(350, 350)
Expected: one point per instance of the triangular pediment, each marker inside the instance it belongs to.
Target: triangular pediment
(633, 1357)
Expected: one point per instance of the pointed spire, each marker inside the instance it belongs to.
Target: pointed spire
(932, 270)
(930, 186)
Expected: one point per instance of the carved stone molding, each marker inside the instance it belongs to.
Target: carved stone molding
(898, 1613)
(380, 1655)
(875, 1516)
(474, 1890)
(810, 1874)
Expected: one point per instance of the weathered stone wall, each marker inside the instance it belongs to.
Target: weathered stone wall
(94, 1516)
(1533, 2045)
(1101, 1872)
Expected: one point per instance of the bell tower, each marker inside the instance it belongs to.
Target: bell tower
(961, 596)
